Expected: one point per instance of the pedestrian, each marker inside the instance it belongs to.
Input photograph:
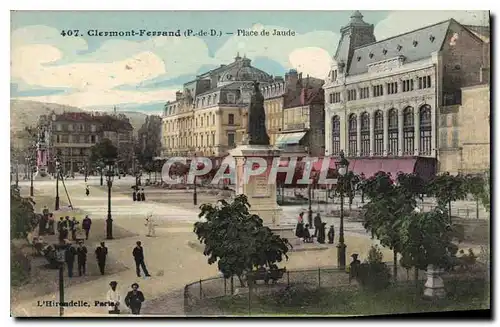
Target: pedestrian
(143, 196)
(81, 253)
(317, 224)
(61, 229)
(70, 259)
(301, 218)
(86, 223)
(331, 235)
(299, 230)
(134, 299)
(307, 235)
(66, 227)
(73, 227)
(321, 233)
(113, 298)
(138, 194)
(138, 254)
(151, 225)
(51, 224)
(87, 191)
(101, 252)
(134, 195)
(354, 267)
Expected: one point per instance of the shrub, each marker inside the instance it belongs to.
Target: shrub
(374, 274)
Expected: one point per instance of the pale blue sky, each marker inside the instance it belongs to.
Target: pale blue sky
(140, 73)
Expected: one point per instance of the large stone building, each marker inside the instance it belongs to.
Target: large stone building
(204, 118)
(383, 98)
(72, 134)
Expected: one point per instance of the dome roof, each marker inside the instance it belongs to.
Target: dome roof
(241, 70)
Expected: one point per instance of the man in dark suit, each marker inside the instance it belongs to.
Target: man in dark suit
(101, 253)
(138, 254)
(69, 257)
(81, 253)
(134, 299)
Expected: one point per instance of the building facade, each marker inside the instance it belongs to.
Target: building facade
(205, 118)
(464, 132)
(383, 98)
(74, 133)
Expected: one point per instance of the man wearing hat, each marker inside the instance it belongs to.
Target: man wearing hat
(353, 271)
(134, 299)
(113, 298)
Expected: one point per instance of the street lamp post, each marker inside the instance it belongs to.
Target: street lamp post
(101, 168)
(195, 195)
(58, 172)
(109, 222)
(17, 173)
(60, 256)
(31, 176)
(341, 166)
(309, 195)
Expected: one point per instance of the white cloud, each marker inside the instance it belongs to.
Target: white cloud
(277, 48)
(95, 98)
(399, 22)
(311, 61)
(41, 57)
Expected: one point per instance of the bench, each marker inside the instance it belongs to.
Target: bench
(267, 275)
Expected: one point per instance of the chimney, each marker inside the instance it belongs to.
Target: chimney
(291, 79)
(178, 95)
(303, 96)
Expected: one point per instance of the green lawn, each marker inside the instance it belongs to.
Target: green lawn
(463, 295)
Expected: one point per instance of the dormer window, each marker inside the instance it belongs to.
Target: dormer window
(399, 47)
(370, 55)
(432, 38)
(415, 43)
(334, 75)
(384, 51)
(359, 58)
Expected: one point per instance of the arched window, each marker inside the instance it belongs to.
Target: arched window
(365, 134)
(393, 133)
(408, 132)
(353, 135)
(215, 98)
(425, 130)
(335, 135)
(378, 133)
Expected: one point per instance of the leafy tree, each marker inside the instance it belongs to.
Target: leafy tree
(22, 215)
(478, 187)
(389, 204)
(103, 151)
(236, 239)
(447, 188)
(412, 184)
(426, 238)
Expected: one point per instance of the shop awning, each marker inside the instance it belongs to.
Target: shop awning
(390, 165)
(289, 138)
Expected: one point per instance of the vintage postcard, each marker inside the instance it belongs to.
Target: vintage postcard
(249, 163)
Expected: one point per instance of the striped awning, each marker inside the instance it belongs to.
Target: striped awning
(289, 138)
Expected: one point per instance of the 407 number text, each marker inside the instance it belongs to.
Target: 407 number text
(70, 33)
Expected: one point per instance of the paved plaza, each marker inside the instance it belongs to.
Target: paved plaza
(171, 261)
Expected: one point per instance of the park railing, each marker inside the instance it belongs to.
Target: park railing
(320, 278)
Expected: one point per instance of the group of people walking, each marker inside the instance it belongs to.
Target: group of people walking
(302, 231)
(134, 298)
(65, 226)
(138, 195)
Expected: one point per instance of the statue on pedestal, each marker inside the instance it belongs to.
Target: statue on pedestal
(256, 129)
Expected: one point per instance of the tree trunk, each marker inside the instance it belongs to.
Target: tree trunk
(449, 210)
(416, 274)
(242, 282)
(395, 267)
(477, 208)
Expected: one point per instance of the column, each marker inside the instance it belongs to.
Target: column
(372, 134)
(343, 131)
(433, 131)
(386, 132)
(416, 137)
(400, 86)
(328, 133)
(218, 127)
(400, 132)
(358, 135)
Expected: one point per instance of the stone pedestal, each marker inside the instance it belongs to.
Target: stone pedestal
(42, 174)
(260, 192)
(434, 286)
